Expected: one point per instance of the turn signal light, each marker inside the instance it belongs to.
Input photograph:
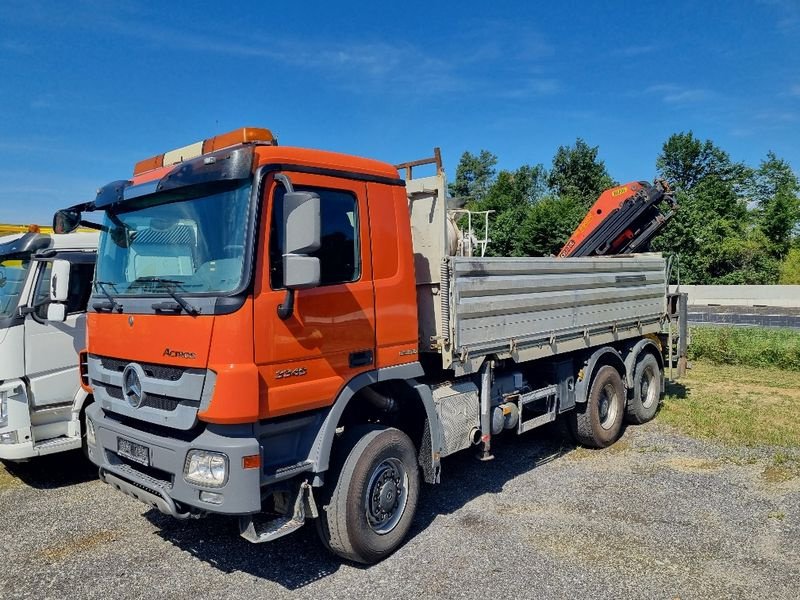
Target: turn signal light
(252, 461)
(244, 135)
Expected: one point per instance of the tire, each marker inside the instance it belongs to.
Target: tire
(597, 423)
(84, 445)
(643, 403)
(368, 509)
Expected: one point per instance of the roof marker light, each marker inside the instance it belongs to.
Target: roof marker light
(243, 135)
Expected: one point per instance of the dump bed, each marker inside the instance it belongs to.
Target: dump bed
(528, 308)
(520, 308)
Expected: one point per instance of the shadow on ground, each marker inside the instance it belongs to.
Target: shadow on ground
(53, 471)
(676, 389)
(300, 559)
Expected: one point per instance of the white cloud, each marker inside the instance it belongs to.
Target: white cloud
(678, 94)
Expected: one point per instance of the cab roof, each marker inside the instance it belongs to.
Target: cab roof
(288, 156)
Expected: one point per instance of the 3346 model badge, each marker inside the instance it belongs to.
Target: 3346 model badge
(284, 373)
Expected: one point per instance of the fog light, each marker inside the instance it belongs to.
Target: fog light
(3, 409)
(10, 437)
(209, 469)
(90, 439)
(211, 497)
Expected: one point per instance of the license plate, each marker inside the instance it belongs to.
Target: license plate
(133, 451)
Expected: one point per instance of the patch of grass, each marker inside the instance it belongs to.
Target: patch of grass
(6, 479)
(693, 465)
(77, 545)
(738, 405)
(754, 347)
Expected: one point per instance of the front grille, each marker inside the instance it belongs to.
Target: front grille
(151, 370)
(152, 400)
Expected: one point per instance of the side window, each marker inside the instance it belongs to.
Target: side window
(80, 287)
(339, 254)
(42, 295)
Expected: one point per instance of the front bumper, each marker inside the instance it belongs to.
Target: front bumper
(17, 422)
(163, 485)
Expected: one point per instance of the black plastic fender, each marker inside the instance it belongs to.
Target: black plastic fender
(633, 355)
(321, 449)
(604, 355)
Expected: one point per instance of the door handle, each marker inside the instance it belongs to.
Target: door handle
(360, 358)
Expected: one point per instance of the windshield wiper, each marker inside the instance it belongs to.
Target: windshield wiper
(112, 304)
(169, 286)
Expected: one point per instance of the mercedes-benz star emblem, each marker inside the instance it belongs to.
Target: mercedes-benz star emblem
(132, 385)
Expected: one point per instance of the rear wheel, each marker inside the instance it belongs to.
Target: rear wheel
(370, 505)
(643, 403)
(598, 422)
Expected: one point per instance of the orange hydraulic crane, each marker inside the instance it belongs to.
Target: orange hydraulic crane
(623, 220)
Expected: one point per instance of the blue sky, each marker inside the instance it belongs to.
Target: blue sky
(89, 88)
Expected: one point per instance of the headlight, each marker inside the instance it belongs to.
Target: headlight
(90, 440)
(209, 469)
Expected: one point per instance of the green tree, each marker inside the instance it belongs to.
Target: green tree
(713, 231)
(790, 268)
(474, 175)
(577, 173)
(548, 225)
(511, 196)
(685, 161)
(774, 191)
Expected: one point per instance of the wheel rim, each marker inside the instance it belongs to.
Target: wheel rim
(648, 387)
(608, 406)
(386, 496)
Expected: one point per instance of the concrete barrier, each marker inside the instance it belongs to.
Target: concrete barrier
(787, 296)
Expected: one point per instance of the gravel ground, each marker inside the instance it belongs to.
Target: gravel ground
(658, 515)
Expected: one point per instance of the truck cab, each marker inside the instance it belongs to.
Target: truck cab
(41, 399)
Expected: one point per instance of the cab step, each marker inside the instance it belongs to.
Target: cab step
(280, 526)
(59, 444)
(550, 395)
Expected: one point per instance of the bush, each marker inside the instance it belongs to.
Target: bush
(753, 347)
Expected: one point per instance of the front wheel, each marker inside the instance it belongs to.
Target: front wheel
(372, 503)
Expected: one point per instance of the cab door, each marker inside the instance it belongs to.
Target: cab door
(51, 349)
(305, 360)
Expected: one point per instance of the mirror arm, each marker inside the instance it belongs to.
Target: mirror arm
(287, 183)
(92, 225)
(31, 310)
(286, 308)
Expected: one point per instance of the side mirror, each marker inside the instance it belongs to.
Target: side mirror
(66, 221)
(57, 312)
(301, 234)
(59, 281)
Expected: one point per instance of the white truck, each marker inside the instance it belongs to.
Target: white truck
(45, 285)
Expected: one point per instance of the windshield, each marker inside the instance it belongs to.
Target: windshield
(13, 272)
(195, 245)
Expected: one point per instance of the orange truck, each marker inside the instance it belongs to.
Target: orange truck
(281, 334)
